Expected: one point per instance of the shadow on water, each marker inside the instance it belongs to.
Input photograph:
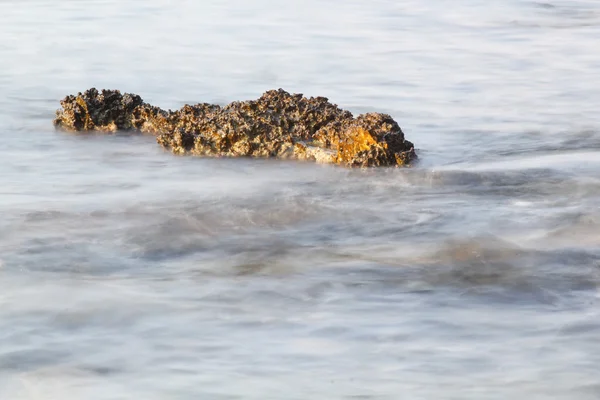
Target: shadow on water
(561, 15)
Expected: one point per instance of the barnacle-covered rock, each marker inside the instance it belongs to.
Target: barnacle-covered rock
(107, 110)
(278, 124)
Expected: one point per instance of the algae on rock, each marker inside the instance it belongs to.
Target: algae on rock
(278, 124)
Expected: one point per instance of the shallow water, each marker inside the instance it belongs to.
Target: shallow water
(127, 272)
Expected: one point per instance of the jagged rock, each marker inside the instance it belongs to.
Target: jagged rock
(278, 124)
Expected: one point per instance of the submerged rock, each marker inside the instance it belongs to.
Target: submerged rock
(278, 124)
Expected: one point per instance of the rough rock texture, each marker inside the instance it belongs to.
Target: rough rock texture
(278, 124)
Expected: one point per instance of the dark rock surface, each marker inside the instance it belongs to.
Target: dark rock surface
(278, 124)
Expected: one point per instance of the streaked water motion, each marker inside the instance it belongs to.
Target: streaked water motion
(127, 272)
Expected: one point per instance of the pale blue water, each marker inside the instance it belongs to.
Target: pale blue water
(127, 272)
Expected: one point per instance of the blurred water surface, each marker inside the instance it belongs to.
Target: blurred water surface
(127, 272)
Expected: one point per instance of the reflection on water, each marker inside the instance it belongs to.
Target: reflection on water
(127, 272)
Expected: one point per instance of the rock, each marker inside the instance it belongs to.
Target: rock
(278, 124)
